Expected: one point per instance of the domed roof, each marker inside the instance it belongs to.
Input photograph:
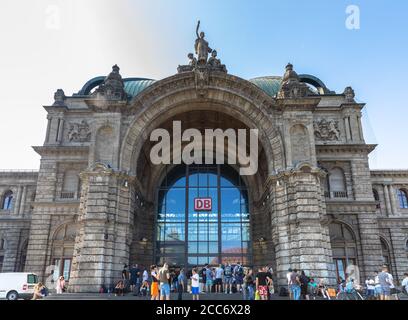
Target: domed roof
(132, 86)
(270, 84)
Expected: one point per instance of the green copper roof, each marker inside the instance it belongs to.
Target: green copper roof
(268, 84)
(133, 86)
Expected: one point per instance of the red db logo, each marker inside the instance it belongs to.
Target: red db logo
(202, 204)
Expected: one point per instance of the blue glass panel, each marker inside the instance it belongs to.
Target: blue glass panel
(212, 179)
(203, 247)
(174, 232)
(230, 203)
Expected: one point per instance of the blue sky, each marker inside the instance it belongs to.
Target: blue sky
(150, 38)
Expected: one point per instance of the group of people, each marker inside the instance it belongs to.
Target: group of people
(159, 282)
(382, 286)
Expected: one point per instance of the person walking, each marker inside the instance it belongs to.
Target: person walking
(370, 285)
(164, 278)
(295, 285)
(385, 281)
(154, 290)
(271, 289)
(219, 274)
(181, 280)
(60, 286)
(377, 286)
(195, 285)
(134, 274)
(304, 285)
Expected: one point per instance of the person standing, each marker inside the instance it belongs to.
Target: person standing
(370, 284)
(295, 285)
(60, 287)
(404, 283)
(288, 280)
(125, 277)
(377, 286)
(304, 283)
(164, 278)
(209, 278)
(248, 285)
(154, 291)
(228, 273)
(203, 278)
(261, 283)
(271, 289)
(181, 280)
(385, 283)
(239, 275)
(195, 285)
(134, 273)
(219, 274)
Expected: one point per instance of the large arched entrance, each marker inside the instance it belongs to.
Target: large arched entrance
(189, 233)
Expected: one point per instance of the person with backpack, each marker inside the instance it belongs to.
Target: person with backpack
(228, 278)
(209, 275)
(181, 280)
(239, 275)
(219, 274)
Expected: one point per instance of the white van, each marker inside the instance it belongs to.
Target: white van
(16, 285)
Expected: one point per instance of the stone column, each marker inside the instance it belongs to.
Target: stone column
(39, 240)
(391, 194)
(102, 246)
(301, 236)
(18, 200)
(23, 200)
(47, 136)
(398, 239)
(387, 199)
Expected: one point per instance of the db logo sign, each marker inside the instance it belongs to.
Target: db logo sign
(202, 204)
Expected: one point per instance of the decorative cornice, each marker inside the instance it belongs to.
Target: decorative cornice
(350, 207)
(341, 148)
(389, 173)
(61, 150)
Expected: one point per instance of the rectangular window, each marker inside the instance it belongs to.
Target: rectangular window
(32, 279)
(1, 263)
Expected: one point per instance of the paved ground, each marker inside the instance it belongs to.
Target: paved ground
(173, 296)
(186, 296)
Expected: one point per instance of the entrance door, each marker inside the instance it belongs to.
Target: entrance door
(189, 234)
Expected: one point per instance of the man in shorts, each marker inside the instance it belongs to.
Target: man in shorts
(195, 285)
(209, 278)
(239, 275)
(385, 282)
(164, 278)
(261, 284)
(219, 273)
(228, 278)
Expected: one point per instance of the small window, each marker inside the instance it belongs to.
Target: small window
(7, 200)
(2, 244)
(376, 195)
(32, 279)
(403, 199)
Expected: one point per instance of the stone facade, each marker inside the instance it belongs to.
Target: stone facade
(92, 204)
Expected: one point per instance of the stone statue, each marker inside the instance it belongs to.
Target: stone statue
(79, 132)
(193, 60)
(201, 46)
(214, 61)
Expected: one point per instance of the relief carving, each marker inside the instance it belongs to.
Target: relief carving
(79, 132)
(326, 130)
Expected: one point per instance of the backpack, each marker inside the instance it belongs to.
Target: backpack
(228, 271)
(240, 271)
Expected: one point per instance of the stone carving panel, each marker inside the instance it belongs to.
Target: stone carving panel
(79, 132)
(326, 130)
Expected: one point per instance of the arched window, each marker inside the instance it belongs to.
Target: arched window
(63, 250)
(70, 185)
(385, 253)
(189, 234)
(7, 200)
(344, 248)
(403, 199)
(337, 183)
